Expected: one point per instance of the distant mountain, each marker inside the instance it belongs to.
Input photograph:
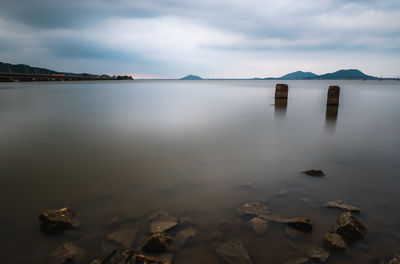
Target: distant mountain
(351, 74)
(26, 69)
(192, 77)
(298, 75)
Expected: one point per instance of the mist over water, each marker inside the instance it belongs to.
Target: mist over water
(132, 148)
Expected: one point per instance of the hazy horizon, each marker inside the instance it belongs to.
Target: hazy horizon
(212, 39)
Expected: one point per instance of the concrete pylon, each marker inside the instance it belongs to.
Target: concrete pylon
(281, 90)
(333, 95)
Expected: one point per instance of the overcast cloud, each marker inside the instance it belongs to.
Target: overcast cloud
(219, 38)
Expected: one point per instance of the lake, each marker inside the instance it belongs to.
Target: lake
(198, 149)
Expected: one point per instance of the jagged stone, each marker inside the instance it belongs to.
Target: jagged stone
(57, 220)
(395, 260)
(233, 252)
(157, 243)
(67, 253)
(349, 227)
(334, 241)
(342, 205)
(253, 208)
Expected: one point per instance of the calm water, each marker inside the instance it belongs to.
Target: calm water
(132, 148)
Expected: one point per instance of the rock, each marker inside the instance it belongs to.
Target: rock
(123, 237)
(233, 252)
(157, 243)
(253, 208)
(349, 227)
(142, 259)
(186, 220)
(67, 253)
(259, 225)
(314, 173)
(183, 237)
(108, 246)
(166, 258)
(281, 90)
(114, 222)
(275, 218)
(162, 222)
(282, 192)
(318, 254)
(334, 241)
(333, 95)
(59, 219)
(306, 200)
(395, 260)
(300, 223)
(96, 261)
(342, 205)
(293, 233)
(126, 257)
(247, 186)
(298, 261)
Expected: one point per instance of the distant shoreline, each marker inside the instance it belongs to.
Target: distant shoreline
(20, 77)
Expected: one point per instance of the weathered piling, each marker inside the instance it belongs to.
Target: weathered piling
(333, 95)
(281, 90)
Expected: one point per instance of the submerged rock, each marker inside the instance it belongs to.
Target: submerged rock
(282, 192)
(298, 261)
(318, 254)
(293, 233)
(300, 223)
(123, 237)
(67, 253)
(157, 243)
(349, 227)
(162, 222)
(259, 225)
(126, 257)
(247, 186)
(183, 237)
(253, 208)
(162, 259)
(59, 219)
(275, 218)
(334, 241)
(342, 205)
(233, 252)
(186, 220)
(314, 173)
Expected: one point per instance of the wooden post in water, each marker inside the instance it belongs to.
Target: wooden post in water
(333, 95)
(281, 90)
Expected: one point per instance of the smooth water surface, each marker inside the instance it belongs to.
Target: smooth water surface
(131, 148)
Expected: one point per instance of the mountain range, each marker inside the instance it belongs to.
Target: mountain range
(350, 74)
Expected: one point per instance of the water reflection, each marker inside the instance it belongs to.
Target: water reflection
(280, 106)
(331, 116)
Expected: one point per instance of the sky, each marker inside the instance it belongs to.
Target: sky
(209, 38)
